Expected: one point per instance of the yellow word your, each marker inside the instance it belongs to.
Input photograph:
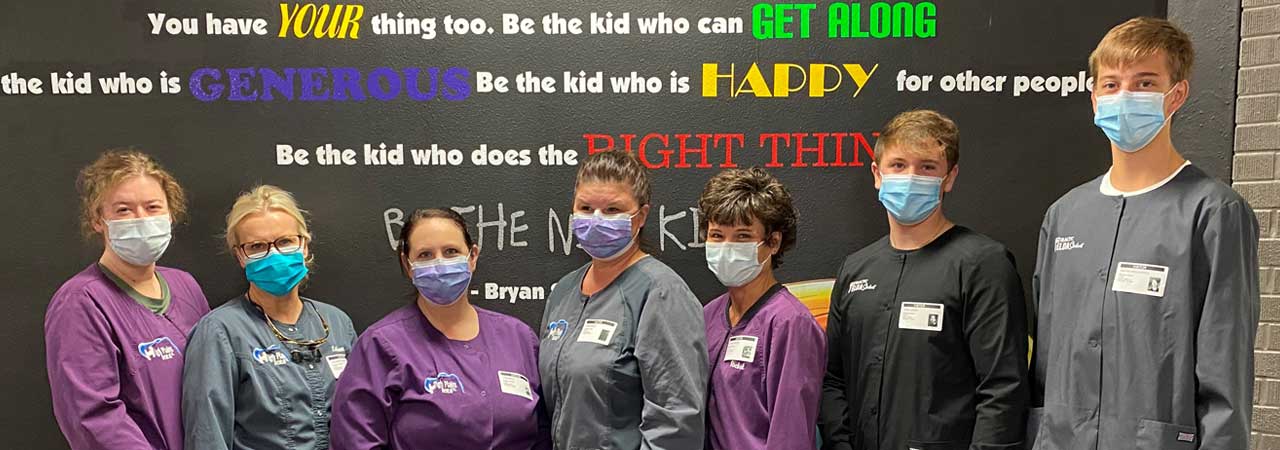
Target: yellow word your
(321, 22)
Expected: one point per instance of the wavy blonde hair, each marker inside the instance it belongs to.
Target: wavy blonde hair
(263, 198)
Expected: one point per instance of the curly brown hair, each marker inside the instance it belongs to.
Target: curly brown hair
(110, 169)
(740, 197)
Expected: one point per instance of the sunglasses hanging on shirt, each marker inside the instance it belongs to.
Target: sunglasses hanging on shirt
(301, 350)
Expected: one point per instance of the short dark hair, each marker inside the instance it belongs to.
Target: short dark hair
(739, 197)
(431, 213)
(613, 166)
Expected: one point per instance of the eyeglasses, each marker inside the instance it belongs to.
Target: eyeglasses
(260, 249)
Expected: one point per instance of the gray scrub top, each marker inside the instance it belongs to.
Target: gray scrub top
(625, 368)
(1147, 310)
(241, 388)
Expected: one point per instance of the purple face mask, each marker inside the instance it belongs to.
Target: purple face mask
(442, 281)
(603, 237)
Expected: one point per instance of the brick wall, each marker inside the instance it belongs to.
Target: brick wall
(1254, 174)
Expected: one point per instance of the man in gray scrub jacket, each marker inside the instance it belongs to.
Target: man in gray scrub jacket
(1147, 277)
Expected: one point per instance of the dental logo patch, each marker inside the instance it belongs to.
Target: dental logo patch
(273, 355)
(1062, 244)
(556, 329)
(444, 383)
(861, 285)
(162, 349)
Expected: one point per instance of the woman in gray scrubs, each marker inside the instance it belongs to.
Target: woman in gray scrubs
(623, 356)
(261, 368)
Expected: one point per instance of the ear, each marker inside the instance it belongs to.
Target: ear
(240, 258)
(475, 257)
(951, 178)
(875, 173)
(1178, 97)
(404, 266)
(1093, 100)
(775, 242)
(642, 216)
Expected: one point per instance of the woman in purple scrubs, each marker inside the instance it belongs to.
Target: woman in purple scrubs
(767, 353)
(115, 332)
(440, 373)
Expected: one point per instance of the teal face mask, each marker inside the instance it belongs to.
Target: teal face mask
(910, 198)
(278, 273)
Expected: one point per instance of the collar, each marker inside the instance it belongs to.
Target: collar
(755, 307)
(1107, 189)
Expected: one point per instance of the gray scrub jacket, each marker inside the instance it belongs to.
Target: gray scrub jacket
(1147, 310)
(242, 389)
(625, 368)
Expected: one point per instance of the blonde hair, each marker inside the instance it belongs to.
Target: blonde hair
(263, 198)
(114, 167)
(921, 127)
(1139, 38)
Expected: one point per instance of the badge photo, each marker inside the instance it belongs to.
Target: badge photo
(515, 384)
(921, 316)
(598, 331)
(1141, 279)
(741, 349)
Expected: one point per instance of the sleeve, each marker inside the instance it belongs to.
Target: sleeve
(835, 415)
(995, 328)
(197, 292)
(208, 389)
(1040, 306)
(84, 377)
(363, 398)
(351, 327)
(797, 352)
(1228, 326)
(671, 350)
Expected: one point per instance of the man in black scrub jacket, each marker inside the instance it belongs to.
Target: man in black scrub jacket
(927, 335)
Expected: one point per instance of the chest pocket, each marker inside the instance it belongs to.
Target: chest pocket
(442, 403)
(601, 345)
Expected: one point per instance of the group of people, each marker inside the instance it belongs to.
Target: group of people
(1145, 297)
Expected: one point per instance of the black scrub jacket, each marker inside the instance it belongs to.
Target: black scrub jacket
(927, 349)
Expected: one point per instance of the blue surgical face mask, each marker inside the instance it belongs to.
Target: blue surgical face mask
(1131, 120)
(278, 273)
(442, 281)
(603, 237)
(910, 198)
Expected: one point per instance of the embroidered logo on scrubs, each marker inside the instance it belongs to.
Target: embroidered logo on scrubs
(273, 355)
(1066, 243)
(444, 383)
(162, 349)
(556, 329)
(861, 285)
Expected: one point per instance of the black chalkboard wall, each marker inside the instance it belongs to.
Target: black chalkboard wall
(218, 126)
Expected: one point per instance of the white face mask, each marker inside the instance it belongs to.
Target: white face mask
(734, 263)
(140, 241)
